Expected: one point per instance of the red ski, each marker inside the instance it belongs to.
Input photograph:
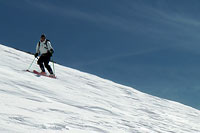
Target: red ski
(42, 74)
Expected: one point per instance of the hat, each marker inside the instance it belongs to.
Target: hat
(43, 35)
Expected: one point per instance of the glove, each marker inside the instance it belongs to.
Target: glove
(36, 55)
(51, 51)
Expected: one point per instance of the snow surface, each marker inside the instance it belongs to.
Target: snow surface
(78, 102)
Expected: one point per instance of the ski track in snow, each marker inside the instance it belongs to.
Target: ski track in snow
(78, 102)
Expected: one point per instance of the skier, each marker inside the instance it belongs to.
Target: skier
(45, 50)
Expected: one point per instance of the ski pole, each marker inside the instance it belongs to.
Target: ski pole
(53, 67)
(31, 64)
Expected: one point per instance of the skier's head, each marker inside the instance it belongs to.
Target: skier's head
(43, 37)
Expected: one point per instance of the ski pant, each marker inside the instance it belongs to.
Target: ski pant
(44, 59)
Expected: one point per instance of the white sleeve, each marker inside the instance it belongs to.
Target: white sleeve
(49, 45)
(37, 48)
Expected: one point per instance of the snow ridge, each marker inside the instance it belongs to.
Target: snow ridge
(78, 102)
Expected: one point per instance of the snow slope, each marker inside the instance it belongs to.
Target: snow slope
(78, 102)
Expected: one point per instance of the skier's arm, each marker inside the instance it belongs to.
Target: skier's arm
(37, 48)
(50, 48)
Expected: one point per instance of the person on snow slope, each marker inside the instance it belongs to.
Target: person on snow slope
(45, 50)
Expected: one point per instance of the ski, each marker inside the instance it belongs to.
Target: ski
(41, 74)
(38, 73)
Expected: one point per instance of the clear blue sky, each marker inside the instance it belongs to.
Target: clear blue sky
(152, 45)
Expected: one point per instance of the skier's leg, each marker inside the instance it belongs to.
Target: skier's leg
(46, 63)
(40, 63)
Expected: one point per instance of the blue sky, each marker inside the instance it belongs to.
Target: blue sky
(152, 45)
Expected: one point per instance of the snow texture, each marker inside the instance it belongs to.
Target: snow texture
(78, 102)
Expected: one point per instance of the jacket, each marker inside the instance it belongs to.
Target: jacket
(44, 47)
